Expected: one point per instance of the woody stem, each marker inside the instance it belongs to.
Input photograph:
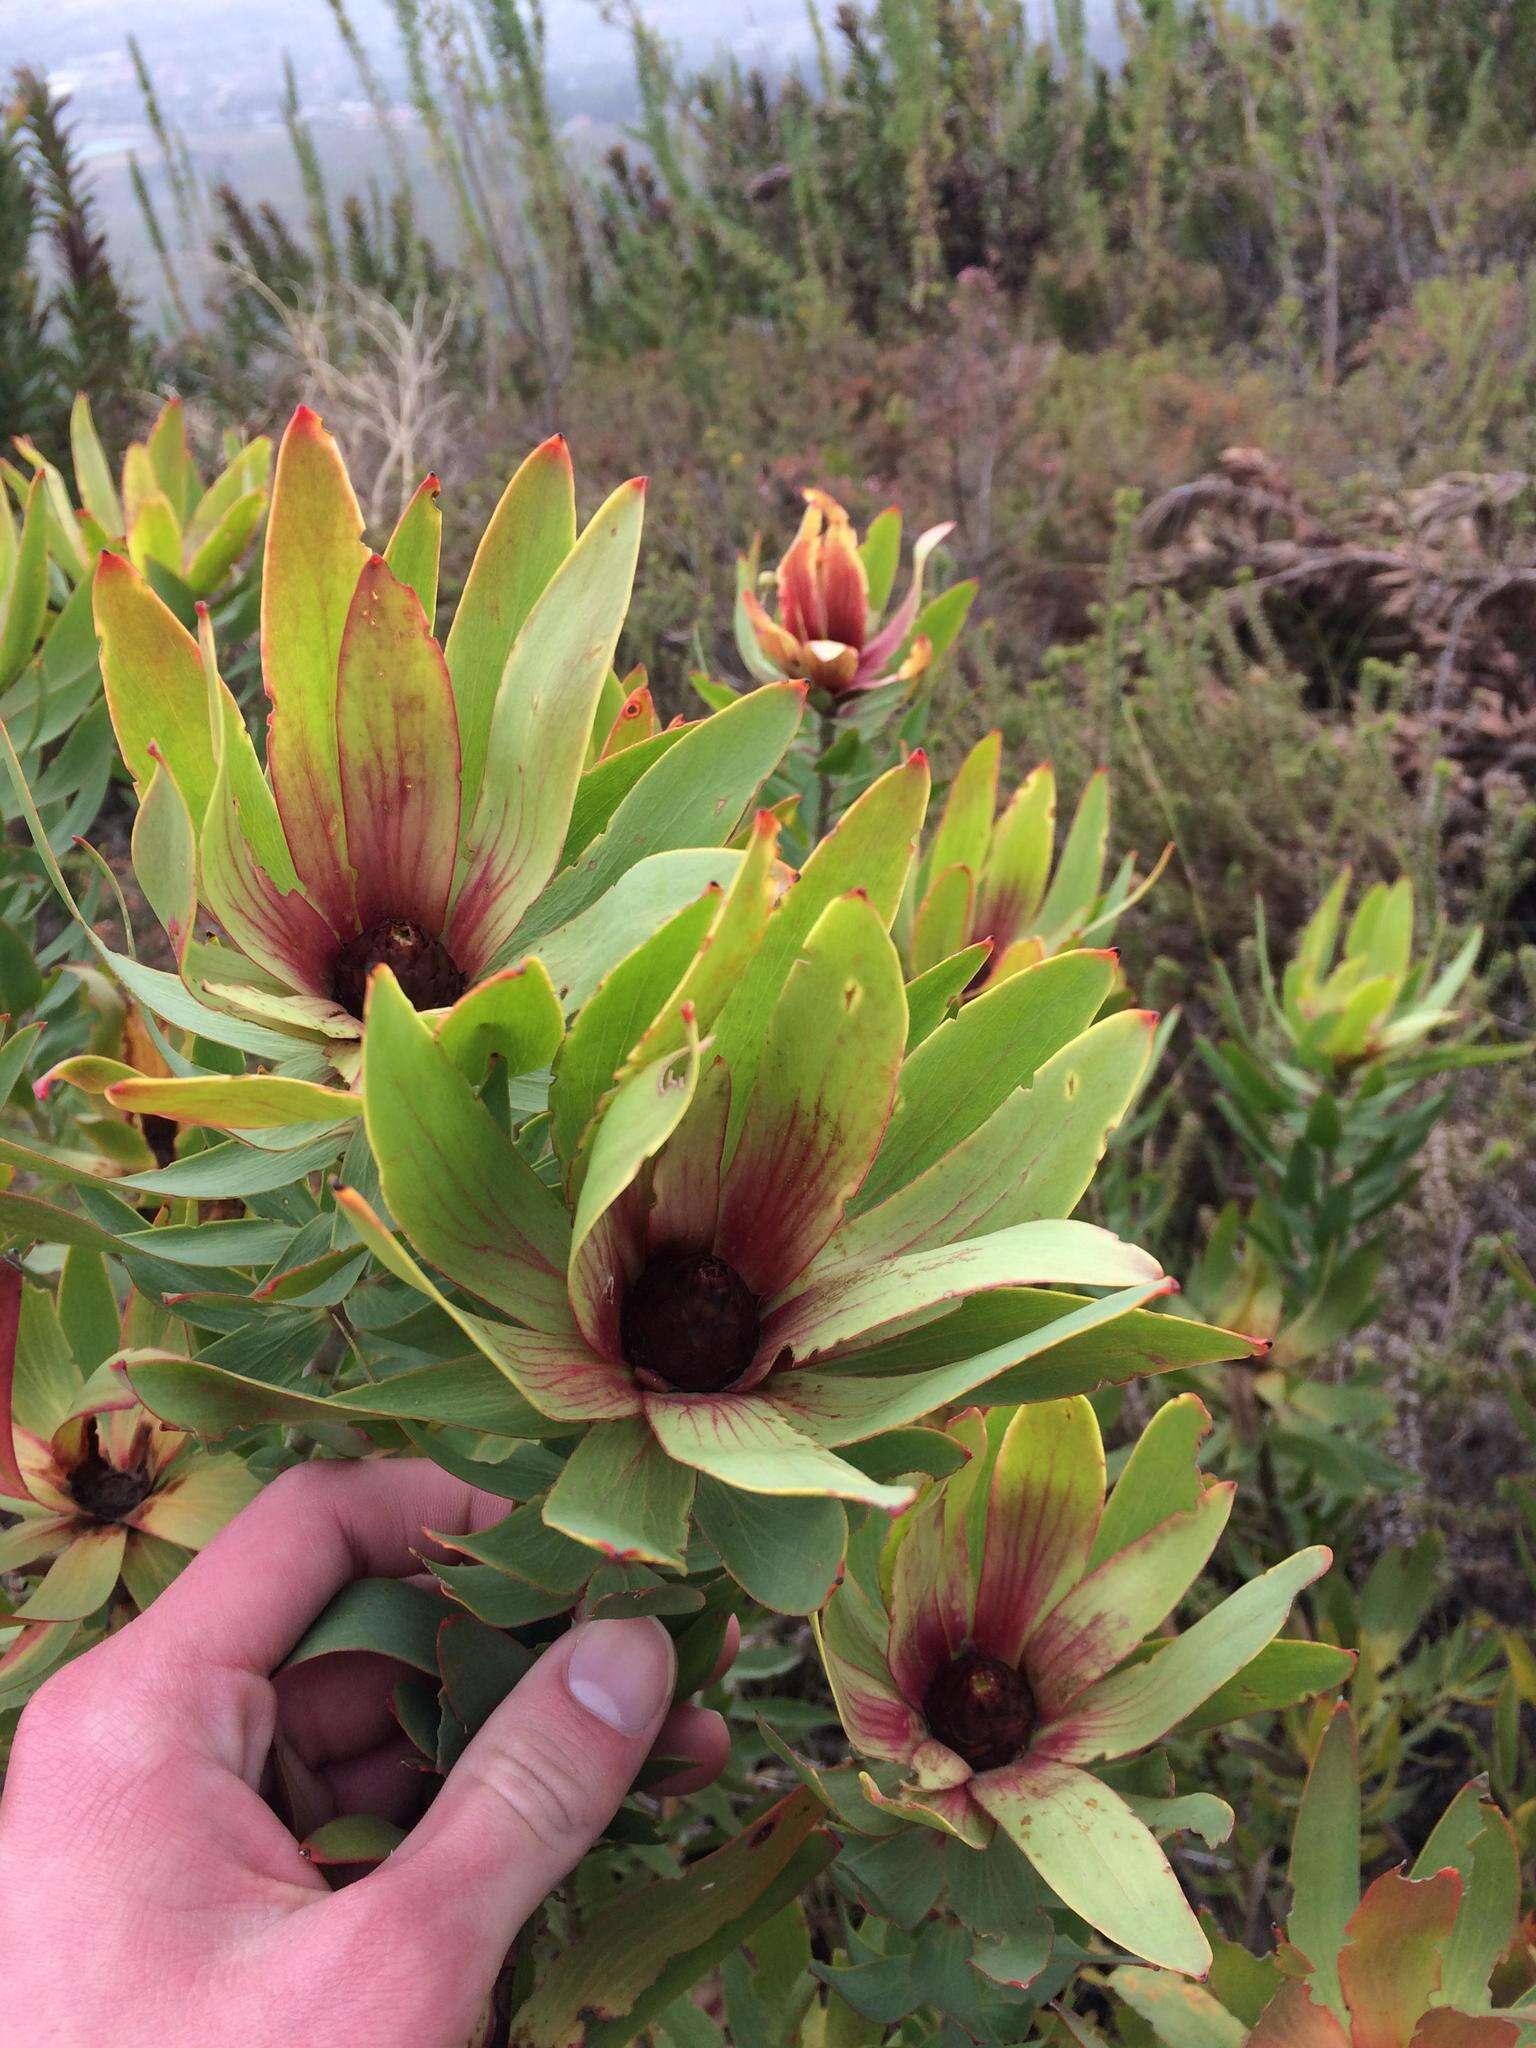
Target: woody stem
(826, 735)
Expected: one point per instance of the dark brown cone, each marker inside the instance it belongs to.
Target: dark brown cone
(692, 1321)
(101, 1489)
(982, 1709)
(422, 965)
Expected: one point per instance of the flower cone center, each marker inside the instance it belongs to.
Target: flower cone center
(982, 1709)
(691, 1321)
(422, 965)
(103, 1490)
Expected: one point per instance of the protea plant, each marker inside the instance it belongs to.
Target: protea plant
(184, 534)
(998, 880)
(832, 630)
(1005, 1652)
(100, 1490)
(772, 1177)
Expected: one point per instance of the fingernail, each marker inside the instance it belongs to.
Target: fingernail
(623, 1672)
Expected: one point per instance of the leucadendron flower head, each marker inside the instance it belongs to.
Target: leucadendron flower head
(187, 536)
(415, 798)
(997, 879)
(1005, 1652)
(102, 1492)
(1356, 993)
(769, 1177)
(832, 630)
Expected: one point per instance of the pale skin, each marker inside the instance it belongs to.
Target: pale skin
(149, 1896)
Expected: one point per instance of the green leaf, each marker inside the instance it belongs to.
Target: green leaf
(88, 1311)
(824, 1076)
(156, 689)
(1132, 1343)
(694, 796)
(453, 1181)
(239, 1102)
(1098, 1858)
(24, 606)
(1033, 1158)
(940, 620)
(1160, 1478)
(788, 1554)
(1138, 1705)
(743, 1440)
(530, 534)
(1079, 872)
(603, 1976)
(614, 1018)
(880, 553)
(965, 825)
(537, 737)
(24, 1219)
(234, 1168)
(1180, 2014)
(1486, 1920)
(93, 473)
(397, 754)
(621, 1494)
(869, 849)
(352, 1838)
(971, 1064)
(212, 1400)
(1397, 1597)
(1284, 1674)
(1019, 861)
(416, 543)
(826, 1313)
(1195, 1813)
(390, 1617)
(80, 1579)
(1016, 1959)
(930, 995)
(524, 1546)
(604, 786)
(169, 999)
(840, 1407)
(171, 459)
(643, 1113)
(514, 1017)
(901, 1452)
(897, 1876)
(314, 557)
(579, 954)
(243, 1241)
(21, 987)
(218, 554)
(165, 856)
(942, 922)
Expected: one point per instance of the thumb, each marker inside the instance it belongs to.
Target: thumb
(531, 1793)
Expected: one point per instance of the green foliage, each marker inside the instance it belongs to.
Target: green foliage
(93, 333)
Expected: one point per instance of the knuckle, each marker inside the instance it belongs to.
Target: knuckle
(67, 1706)
(315, 1480)
(543, 1791)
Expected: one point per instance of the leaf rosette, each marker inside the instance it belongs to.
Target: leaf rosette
(1004, 1652)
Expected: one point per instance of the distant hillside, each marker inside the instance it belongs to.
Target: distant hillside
(218, 70)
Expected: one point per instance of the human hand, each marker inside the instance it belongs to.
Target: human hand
(150, 1898)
